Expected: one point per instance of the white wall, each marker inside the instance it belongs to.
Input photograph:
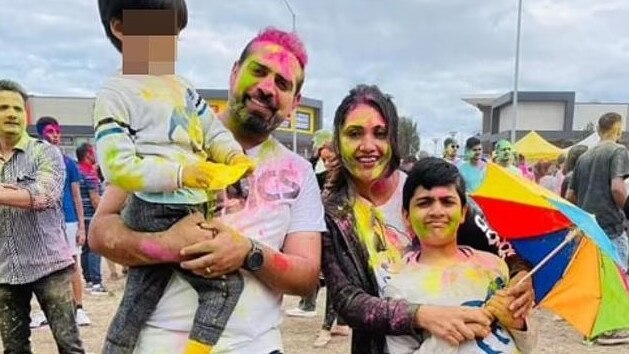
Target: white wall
(534, 116)
(67, 110)
(591, 112)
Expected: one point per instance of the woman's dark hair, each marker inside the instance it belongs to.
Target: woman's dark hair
(112, 9)
(429, 173)
(573, 155)
(381, 102)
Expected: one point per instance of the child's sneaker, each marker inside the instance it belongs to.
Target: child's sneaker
(98, 289)
(81, 318)
(38, 319)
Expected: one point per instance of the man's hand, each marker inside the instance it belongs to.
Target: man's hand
(223, 254)
(524, 295)
(498, 306)
(167, 247)
(80, 236)
(454, 324)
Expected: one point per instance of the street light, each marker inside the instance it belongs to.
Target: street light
(294, 118)
(516, 74)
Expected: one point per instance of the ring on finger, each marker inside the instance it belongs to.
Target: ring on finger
(208, 271)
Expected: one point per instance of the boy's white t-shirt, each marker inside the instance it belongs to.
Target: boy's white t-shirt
(468, 283)
(283, 198)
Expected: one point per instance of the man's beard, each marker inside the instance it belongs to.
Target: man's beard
(253, 124)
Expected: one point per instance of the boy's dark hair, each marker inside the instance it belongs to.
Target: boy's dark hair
(43, 122)
(448, 141)
(112, 9)
(471, 142)
(82, 150)
(8, 85)
(432, 172)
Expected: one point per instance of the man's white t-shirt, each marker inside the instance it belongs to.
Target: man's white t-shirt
(283, 198)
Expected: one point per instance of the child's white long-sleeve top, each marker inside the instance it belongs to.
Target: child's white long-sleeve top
(148, 128)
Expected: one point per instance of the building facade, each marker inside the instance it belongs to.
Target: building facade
(75, 116)
(553, 114)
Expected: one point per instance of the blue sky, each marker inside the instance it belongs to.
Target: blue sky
(426, 53)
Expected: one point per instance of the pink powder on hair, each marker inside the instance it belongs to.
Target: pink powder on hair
(288, 40)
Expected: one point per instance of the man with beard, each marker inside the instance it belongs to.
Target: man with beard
(473, 169)
(273, 239)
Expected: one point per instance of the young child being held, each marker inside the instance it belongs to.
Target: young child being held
(156, 137)
(443, 273)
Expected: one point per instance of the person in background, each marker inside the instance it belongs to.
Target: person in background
(598, 187)
(525, 169)
(48, 128)
(90, 196)
(473, 168)
(568, 168)
(504, 156)
(450, 151)
(35, 257)
(407, 163)
(559, 167)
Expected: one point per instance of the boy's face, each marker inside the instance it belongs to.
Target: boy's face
(435, 215)
(52, 134)
(12, 114)
(149, 41)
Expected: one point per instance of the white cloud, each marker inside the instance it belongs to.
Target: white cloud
(426, 53)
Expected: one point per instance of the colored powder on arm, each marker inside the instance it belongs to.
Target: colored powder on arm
(155, 251)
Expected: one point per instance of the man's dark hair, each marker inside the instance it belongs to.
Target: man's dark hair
(607, 121)
(287, 40)
(82, 150)
(8, 85)
(448, 141)
(432, 172)
(43, 122)
(112, 9)
(471, 142)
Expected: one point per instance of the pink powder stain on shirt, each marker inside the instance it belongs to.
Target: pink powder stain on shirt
(156, 251)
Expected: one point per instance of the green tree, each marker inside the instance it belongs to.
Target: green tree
(408, 137)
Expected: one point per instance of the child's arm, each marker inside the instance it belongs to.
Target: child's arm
(116, 150)
(219, 143)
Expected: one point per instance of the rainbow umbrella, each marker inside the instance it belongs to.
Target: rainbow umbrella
(578, 278)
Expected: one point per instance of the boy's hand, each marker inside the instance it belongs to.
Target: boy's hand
(245, 160)
(498, 306)
(213, 176)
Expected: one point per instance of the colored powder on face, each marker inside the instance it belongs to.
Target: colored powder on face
(455, 221)
(419, 227)
(157, 252)
(281, 262)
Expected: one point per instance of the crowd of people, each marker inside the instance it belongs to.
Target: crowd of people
(216, 220)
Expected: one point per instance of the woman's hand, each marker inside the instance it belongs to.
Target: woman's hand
(523, 294)
(454, 324)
